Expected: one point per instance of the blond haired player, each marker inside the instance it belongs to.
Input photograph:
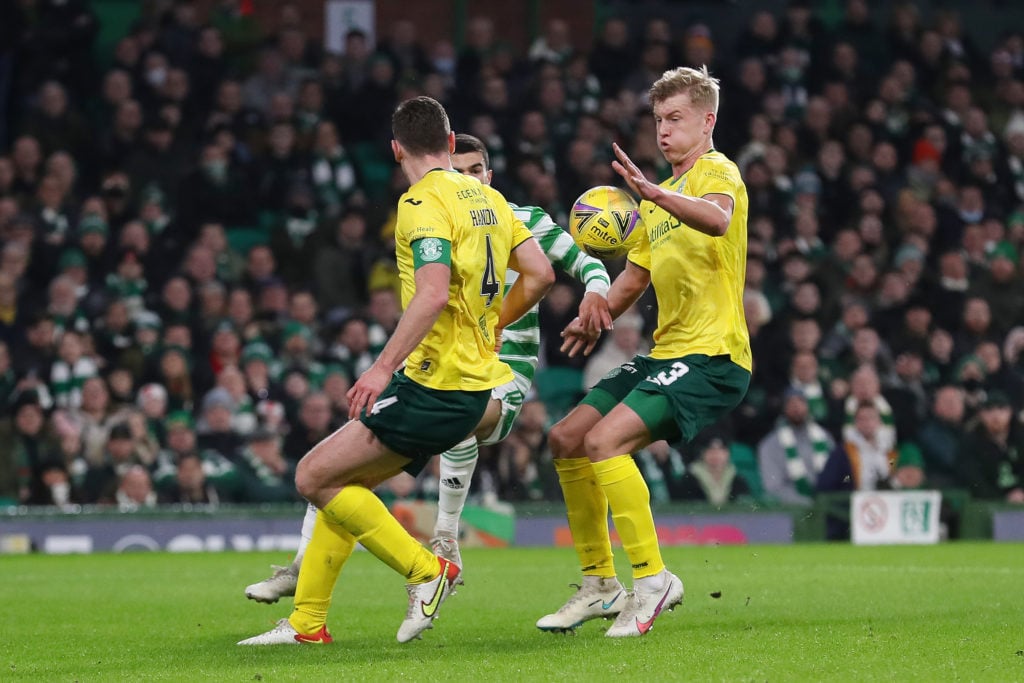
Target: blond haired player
(694, 253)
(455, 239)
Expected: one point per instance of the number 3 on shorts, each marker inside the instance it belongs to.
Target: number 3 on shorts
(666, 377)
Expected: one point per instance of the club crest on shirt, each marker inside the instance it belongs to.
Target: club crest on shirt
(430, 249)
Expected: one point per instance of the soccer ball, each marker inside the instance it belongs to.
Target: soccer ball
(603, 222)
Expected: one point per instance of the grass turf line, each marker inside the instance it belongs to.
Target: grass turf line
(805, 612)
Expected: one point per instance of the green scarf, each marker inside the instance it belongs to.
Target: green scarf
(795, 466)
(815, 395)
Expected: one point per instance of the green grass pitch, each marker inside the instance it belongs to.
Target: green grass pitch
(751, 613)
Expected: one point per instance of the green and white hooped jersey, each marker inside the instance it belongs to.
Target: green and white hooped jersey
(520, 341)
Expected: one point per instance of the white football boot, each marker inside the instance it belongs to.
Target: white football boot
(280, 584)
(597, 598)
(643, 607)
(425, 599)
(285, 634)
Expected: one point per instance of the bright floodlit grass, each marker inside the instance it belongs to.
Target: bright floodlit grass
(792, 613)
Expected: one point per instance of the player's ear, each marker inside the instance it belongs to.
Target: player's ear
(396, 149)
(709, 121)
(451, 142)
(490, 174)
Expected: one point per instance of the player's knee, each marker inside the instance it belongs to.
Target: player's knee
(593, 444)
(604, 441)
(564, 440)
(305, 484)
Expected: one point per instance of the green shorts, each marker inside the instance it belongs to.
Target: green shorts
(676, 397)
(419, 422)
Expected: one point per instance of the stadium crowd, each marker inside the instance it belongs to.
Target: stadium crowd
(197, 257)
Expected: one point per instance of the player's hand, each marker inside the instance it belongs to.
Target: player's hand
(594, 313)
(578, 338)
(365, 391)
(632, 174)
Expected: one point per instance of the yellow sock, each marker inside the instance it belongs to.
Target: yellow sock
(587, 509)
(329, 548)
(367, 518)
(630, 501)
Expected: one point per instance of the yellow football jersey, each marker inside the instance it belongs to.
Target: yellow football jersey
(698, 279)
(458, 352)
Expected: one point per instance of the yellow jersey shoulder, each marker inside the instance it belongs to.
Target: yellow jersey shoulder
(714, 173)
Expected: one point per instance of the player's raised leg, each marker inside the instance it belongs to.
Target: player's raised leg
(600, 595)
(281, 583)
(456, 472)
(317, 576)
(336, 476)
(655, 589)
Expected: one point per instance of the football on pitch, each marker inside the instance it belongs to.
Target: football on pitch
(604, 222)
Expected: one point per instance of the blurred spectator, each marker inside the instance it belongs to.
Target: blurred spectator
(243, 418)
(257, 359)
(866, 461)
(215, 426)
(712, 478)
(135, 490)
(266, 475)
(988, 460)
(340, 270)
(103, 479)
(181, 442)
(333, 174)
(906, 392)
(384, 310)
(402, 47)
(70, 371)
(314, 423)
(792, 457)
(941, 435)
(352, 347)
(28, 448)
(804, 377)
(866, 388)
(152, 401)
(189, 484)
(93, 419)
(624, 342)
(271, 77)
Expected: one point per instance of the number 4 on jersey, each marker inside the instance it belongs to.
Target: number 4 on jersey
(490, 286)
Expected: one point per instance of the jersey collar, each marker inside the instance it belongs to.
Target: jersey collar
(676, 179)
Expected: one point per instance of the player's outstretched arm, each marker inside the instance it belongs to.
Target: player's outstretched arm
(420, 315)
(709, 214)
(535, 278)
(627, 288)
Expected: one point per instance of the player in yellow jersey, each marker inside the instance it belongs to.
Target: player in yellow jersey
(455, 238)
(694, 252)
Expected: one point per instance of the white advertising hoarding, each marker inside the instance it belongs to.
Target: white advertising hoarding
(894, 517)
